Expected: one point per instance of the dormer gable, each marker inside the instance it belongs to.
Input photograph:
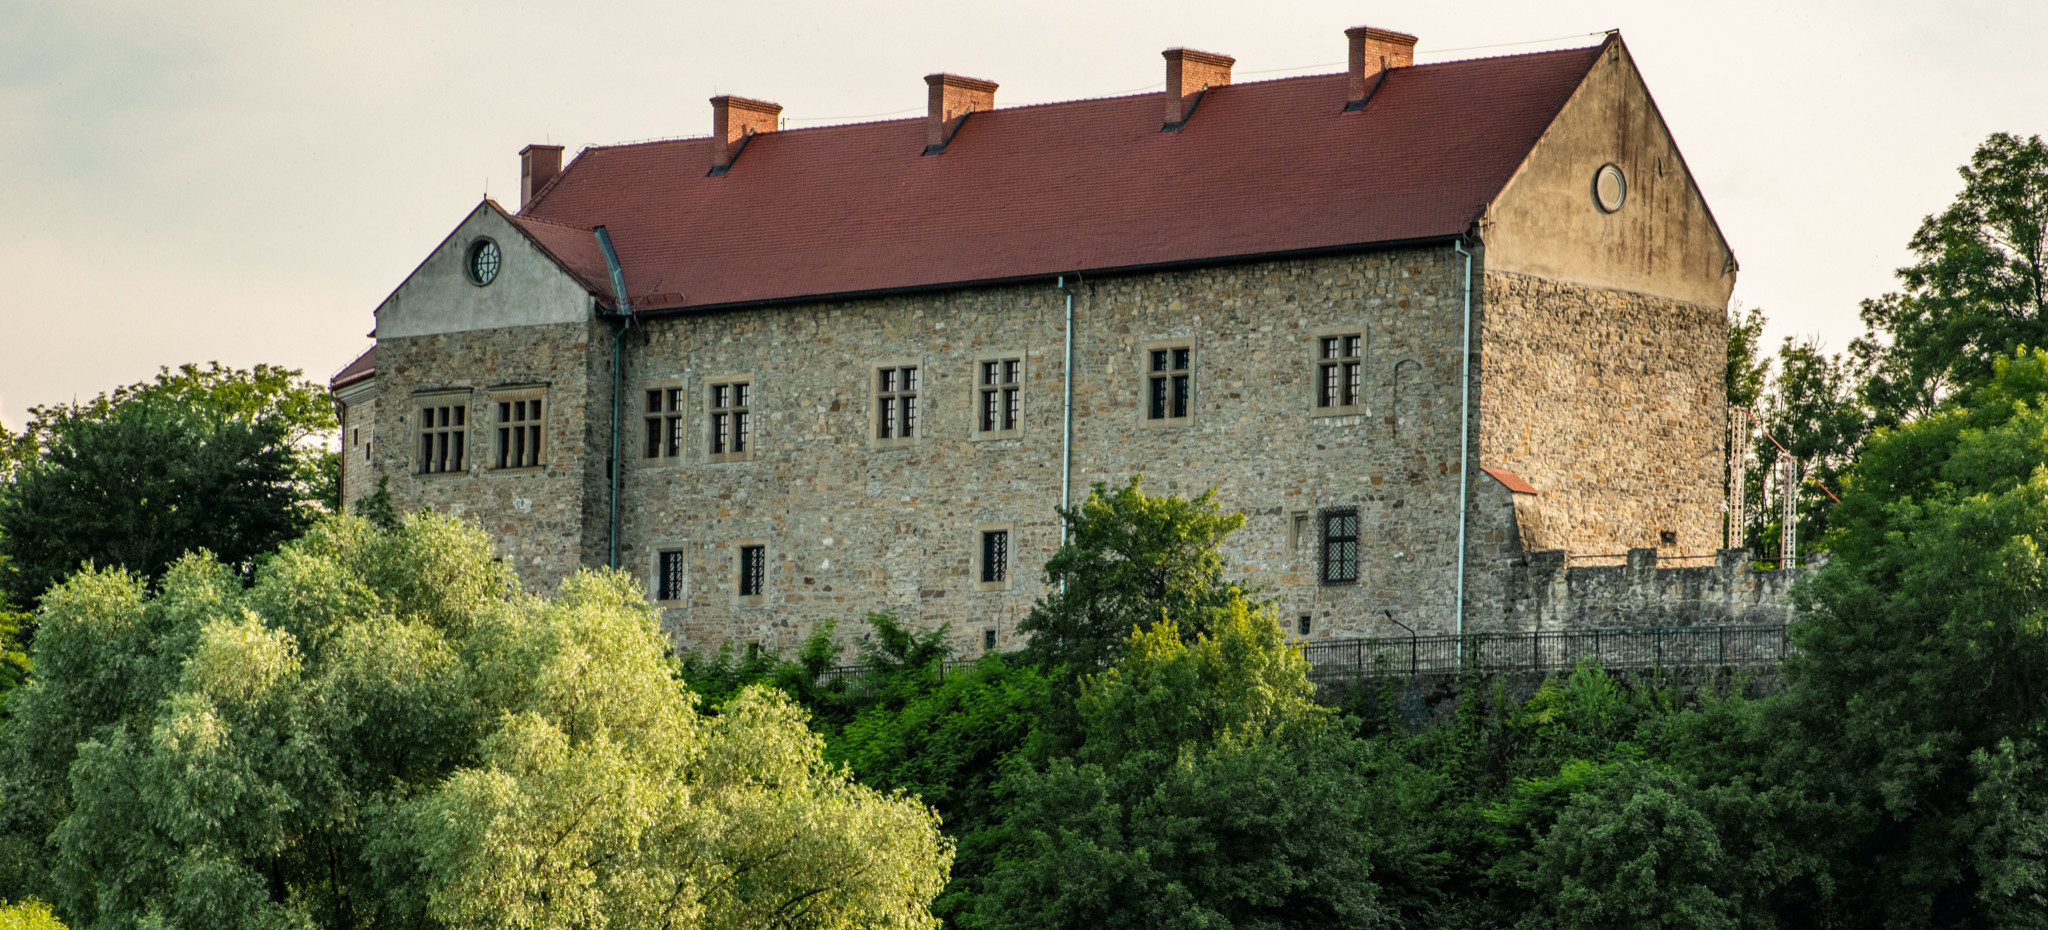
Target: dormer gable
(494, 270)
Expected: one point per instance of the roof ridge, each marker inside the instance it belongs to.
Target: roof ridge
(523, 218)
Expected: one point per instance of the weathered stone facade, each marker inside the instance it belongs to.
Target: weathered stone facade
(1595, 333)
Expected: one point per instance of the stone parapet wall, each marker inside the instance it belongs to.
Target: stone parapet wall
(1544, 592)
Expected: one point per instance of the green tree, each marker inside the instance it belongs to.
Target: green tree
(28, 915)
(1811, 406)
(1975, 293)
(1129, 559)
(217, 458)
(382, 731)
(1919, 692)
(1748, 366)
(1210, 791)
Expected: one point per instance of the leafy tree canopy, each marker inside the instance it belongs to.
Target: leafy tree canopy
(1129, 559)
(382, 731)
(1209, 792)
(1978, 290)
(227, 460)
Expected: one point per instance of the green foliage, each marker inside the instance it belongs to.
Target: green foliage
(216, 458)
(382, 731)
(1209, 791)
(1129, 559)
(28, 915)
(1976, 292)
(1748, 367)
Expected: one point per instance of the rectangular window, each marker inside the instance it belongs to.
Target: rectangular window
(753, 571)
(668, 576)
(732, 437)
(896, 402)
(995, 556)
(1339, 373)
(662, 417)
(1306, 622)
(988, 640)
(519, 432)
(997, 400)
(1169, 385)
(444, 425)
(1340, 546)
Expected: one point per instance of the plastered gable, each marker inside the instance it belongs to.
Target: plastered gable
(1663, 240)
(437, 298)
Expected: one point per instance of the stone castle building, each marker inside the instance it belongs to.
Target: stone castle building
(791, 375)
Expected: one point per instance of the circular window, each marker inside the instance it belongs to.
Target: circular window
(483, 262)
(1610, 188)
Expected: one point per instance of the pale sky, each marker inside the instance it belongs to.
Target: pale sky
(244, 180)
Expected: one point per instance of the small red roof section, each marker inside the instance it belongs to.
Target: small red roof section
(1510, 480)
(365, 366)
(1260, 169)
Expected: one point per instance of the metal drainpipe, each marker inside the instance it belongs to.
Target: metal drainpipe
(623, 312)
(1067, 417)
(1464, 443)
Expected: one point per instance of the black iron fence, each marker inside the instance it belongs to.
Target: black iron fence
(1548, 650)
(1535, 651)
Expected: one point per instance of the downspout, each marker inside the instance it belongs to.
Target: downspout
(1067, 414)
(1464, 443)
(622, 312)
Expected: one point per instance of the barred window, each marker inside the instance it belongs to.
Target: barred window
(668, 576)
(988, 640)
(1340, 546)
(443, 434)
(731, 422)
(1169, 385)
(995, 556)
(753, 570)
(519, 432)
(896, 402)
(663, 418)
(997, 395)
(1339, 372)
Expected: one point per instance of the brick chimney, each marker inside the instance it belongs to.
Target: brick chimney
(1373, 51)
(538, 164)
(733, 120)
(1188, 74)
(952, 98)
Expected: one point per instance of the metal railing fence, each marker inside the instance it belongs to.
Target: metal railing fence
(1549, 650)
(1528, 651)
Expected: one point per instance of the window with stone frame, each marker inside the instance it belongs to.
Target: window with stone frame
(662, 424)
(995, 556)
(896, 389)
(443, 433)
(730, 420)
(1340, 546)
(998, 396)
(517, 436)
(1169, 383)
(668, 575)
(753, 571)
(1340, 374)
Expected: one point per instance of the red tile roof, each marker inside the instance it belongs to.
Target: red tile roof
(363, 367)
(1092, 185)
(1512, 481)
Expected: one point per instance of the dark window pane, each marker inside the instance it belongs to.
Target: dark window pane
(995, 555)
(740, 393)
(753, 570)
(1010, 409)
(1180, 396)
(910, 416)
(739, 431)
(1180, 359)
(1011, 369)
(885, 424)
(1158, 410)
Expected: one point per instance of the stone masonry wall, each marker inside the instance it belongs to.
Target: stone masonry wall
(1546, 593)
(1611, 404)
(852, 524)
(358, 443)
(538, 516)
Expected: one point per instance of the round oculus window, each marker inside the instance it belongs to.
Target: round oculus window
(483, 262)
(1610, 188)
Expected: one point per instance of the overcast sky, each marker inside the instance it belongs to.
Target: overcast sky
(244, 180)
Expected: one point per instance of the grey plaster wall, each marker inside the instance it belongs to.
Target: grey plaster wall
(1662, 241)
(438, 297)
